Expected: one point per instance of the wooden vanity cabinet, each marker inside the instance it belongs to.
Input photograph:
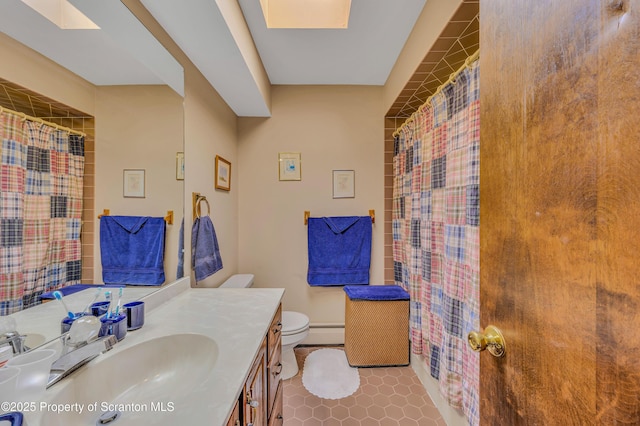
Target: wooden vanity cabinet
(277, 418)
(261, 399)
(235, 419)
(274, 369)
(256, 391)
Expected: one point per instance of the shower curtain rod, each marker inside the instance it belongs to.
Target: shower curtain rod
(452, 77)
(40, 120)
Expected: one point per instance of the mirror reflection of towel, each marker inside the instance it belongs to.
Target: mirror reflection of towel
(180, 269)
(339, 250)
(205, 252)
(132, 249)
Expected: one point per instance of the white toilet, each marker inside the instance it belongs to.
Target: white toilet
(295, 327)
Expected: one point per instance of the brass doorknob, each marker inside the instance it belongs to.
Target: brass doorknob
(491, 339)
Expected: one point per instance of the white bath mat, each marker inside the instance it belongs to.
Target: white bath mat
(327, 374)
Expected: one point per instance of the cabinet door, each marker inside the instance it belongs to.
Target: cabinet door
(255, 408)
(275, 330)
(276, 418)
(234, 420)
(273, 378)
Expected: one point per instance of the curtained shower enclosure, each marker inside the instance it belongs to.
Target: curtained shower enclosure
(436, 209)
(41, 178)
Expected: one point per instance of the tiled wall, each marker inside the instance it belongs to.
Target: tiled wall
(459, 40)
(30, 103)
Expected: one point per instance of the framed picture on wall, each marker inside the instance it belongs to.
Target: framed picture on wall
(289, 166)
(133, 186)
(223, 174)
(180, 166)
(344, 184)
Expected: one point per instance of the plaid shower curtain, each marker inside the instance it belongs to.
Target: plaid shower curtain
(436, 217)
(41, 178)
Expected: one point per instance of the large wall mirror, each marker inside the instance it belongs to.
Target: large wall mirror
(128, 105)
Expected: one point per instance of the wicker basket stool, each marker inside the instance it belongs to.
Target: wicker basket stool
(376, 330)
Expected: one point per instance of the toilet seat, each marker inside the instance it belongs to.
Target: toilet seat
(294, 323)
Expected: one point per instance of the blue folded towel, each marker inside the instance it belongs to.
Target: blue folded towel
(132, 249)
(205, 252)
(339, 250)
(376, 292)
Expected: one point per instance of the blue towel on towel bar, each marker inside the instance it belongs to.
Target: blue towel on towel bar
(339, 250)
(132, 249)
(205, 252)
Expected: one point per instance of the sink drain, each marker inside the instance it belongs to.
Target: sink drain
(108, 417)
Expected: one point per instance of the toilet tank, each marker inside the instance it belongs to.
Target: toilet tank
(238, 281)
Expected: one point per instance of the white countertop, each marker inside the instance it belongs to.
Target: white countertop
(236, 319)
(44, 319)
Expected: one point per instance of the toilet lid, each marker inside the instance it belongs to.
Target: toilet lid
(294, 322)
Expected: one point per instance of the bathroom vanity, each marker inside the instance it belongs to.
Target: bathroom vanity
(261, 401)
(203, 356)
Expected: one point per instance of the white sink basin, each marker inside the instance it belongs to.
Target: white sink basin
(150, 383)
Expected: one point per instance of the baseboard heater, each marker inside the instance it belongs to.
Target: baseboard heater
(325, 334)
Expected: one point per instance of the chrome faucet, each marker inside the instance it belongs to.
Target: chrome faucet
(16, 340)
(79, 355)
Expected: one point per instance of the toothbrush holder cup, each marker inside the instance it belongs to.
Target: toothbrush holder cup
(116, 325)
(98, 309)
(135, 315)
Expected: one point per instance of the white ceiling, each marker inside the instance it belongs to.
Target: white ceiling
(226, 39)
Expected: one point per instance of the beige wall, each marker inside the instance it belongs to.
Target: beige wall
(139, 127)
(210, 130)
(333, 127)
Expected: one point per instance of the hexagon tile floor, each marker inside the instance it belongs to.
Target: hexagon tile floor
(391, 396)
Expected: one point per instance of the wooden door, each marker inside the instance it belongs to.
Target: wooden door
(560, 211)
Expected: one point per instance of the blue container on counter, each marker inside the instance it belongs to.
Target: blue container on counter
(115, 325)
(98, 309)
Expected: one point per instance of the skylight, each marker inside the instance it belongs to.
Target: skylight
(306, 13)
(62, 13)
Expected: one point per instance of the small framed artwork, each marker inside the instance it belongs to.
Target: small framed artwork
(180, 166)
(223, 174)
(289, 166)
(344, 184)
(133, 183)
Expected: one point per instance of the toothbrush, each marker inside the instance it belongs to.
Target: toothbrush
(58, 297)
(93, 301)
(119, 300)
(107, 296)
